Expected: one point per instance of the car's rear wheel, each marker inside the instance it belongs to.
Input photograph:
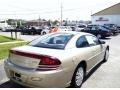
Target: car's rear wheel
(106, 56)
(78, 77)
(114, 33)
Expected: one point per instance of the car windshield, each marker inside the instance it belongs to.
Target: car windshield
(53, 41)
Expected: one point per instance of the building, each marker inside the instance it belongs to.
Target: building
(110, 15)
(75, 23)
(37, 22)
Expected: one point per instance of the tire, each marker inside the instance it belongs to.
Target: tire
(103, 37)
(43, 33)
(106, 56)
(99, 36)
(114, 33)
(78, 77)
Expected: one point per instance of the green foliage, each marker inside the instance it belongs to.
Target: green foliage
(4, 49)
(15, 21)
(7, 39)
(55, 22)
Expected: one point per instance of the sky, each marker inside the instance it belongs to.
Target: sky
(51, 9)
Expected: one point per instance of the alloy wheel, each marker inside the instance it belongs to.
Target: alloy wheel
(79, 76)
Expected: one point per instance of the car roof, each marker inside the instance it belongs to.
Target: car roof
(74, 33)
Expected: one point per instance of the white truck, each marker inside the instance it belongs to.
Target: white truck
(5, 26)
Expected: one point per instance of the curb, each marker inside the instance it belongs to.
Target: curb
(12, 42)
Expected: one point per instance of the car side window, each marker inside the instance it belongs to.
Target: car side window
(92, 40)
(95, 28)
(96, 40)
(82, 42)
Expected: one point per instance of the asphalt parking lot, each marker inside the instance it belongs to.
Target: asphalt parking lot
(104, 75)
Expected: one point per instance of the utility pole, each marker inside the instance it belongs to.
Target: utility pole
(20, 23)
(61, 13)
(16, 29)
(11, 32)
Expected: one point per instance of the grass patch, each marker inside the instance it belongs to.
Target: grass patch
(4, 49)
(7, 39)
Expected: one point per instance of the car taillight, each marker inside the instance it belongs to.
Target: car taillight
(46, 62)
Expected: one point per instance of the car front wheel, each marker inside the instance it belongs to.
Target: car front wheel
(78, 77)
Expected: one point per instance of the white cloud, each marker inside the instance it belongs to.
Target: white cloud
(50, 9)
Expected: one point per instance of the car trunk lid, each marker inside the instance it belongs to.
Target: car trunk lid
(30, 57)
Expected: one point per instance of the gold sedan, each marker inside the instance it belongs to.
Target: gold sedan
(59, 59)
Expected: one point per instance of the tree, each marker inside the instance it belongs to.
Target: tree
(49, 23)
(13, 21)
(56, 22)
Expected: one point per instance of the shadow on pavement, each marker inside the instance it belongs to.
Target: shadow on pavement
(92, 71)
(10, 84)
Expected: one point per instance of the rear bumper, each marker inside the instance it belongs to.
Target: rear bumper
(32, 78)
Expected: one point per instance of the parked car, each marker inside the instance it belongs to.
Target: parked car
(28, 31)
(7, 28)
(56, 29)
(112, 27)
(118, 27)
(99, 31)
(21, 28)
(57, 59)
(65, 28)
(45, 31)
(31, 30)
(80, 27)
(91, 25)
(73, 28)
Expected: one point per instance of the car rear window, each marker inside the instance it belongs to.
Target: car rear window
(53, 41)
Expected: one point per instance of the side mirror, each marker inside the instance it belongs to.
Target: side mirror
(102, 42)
